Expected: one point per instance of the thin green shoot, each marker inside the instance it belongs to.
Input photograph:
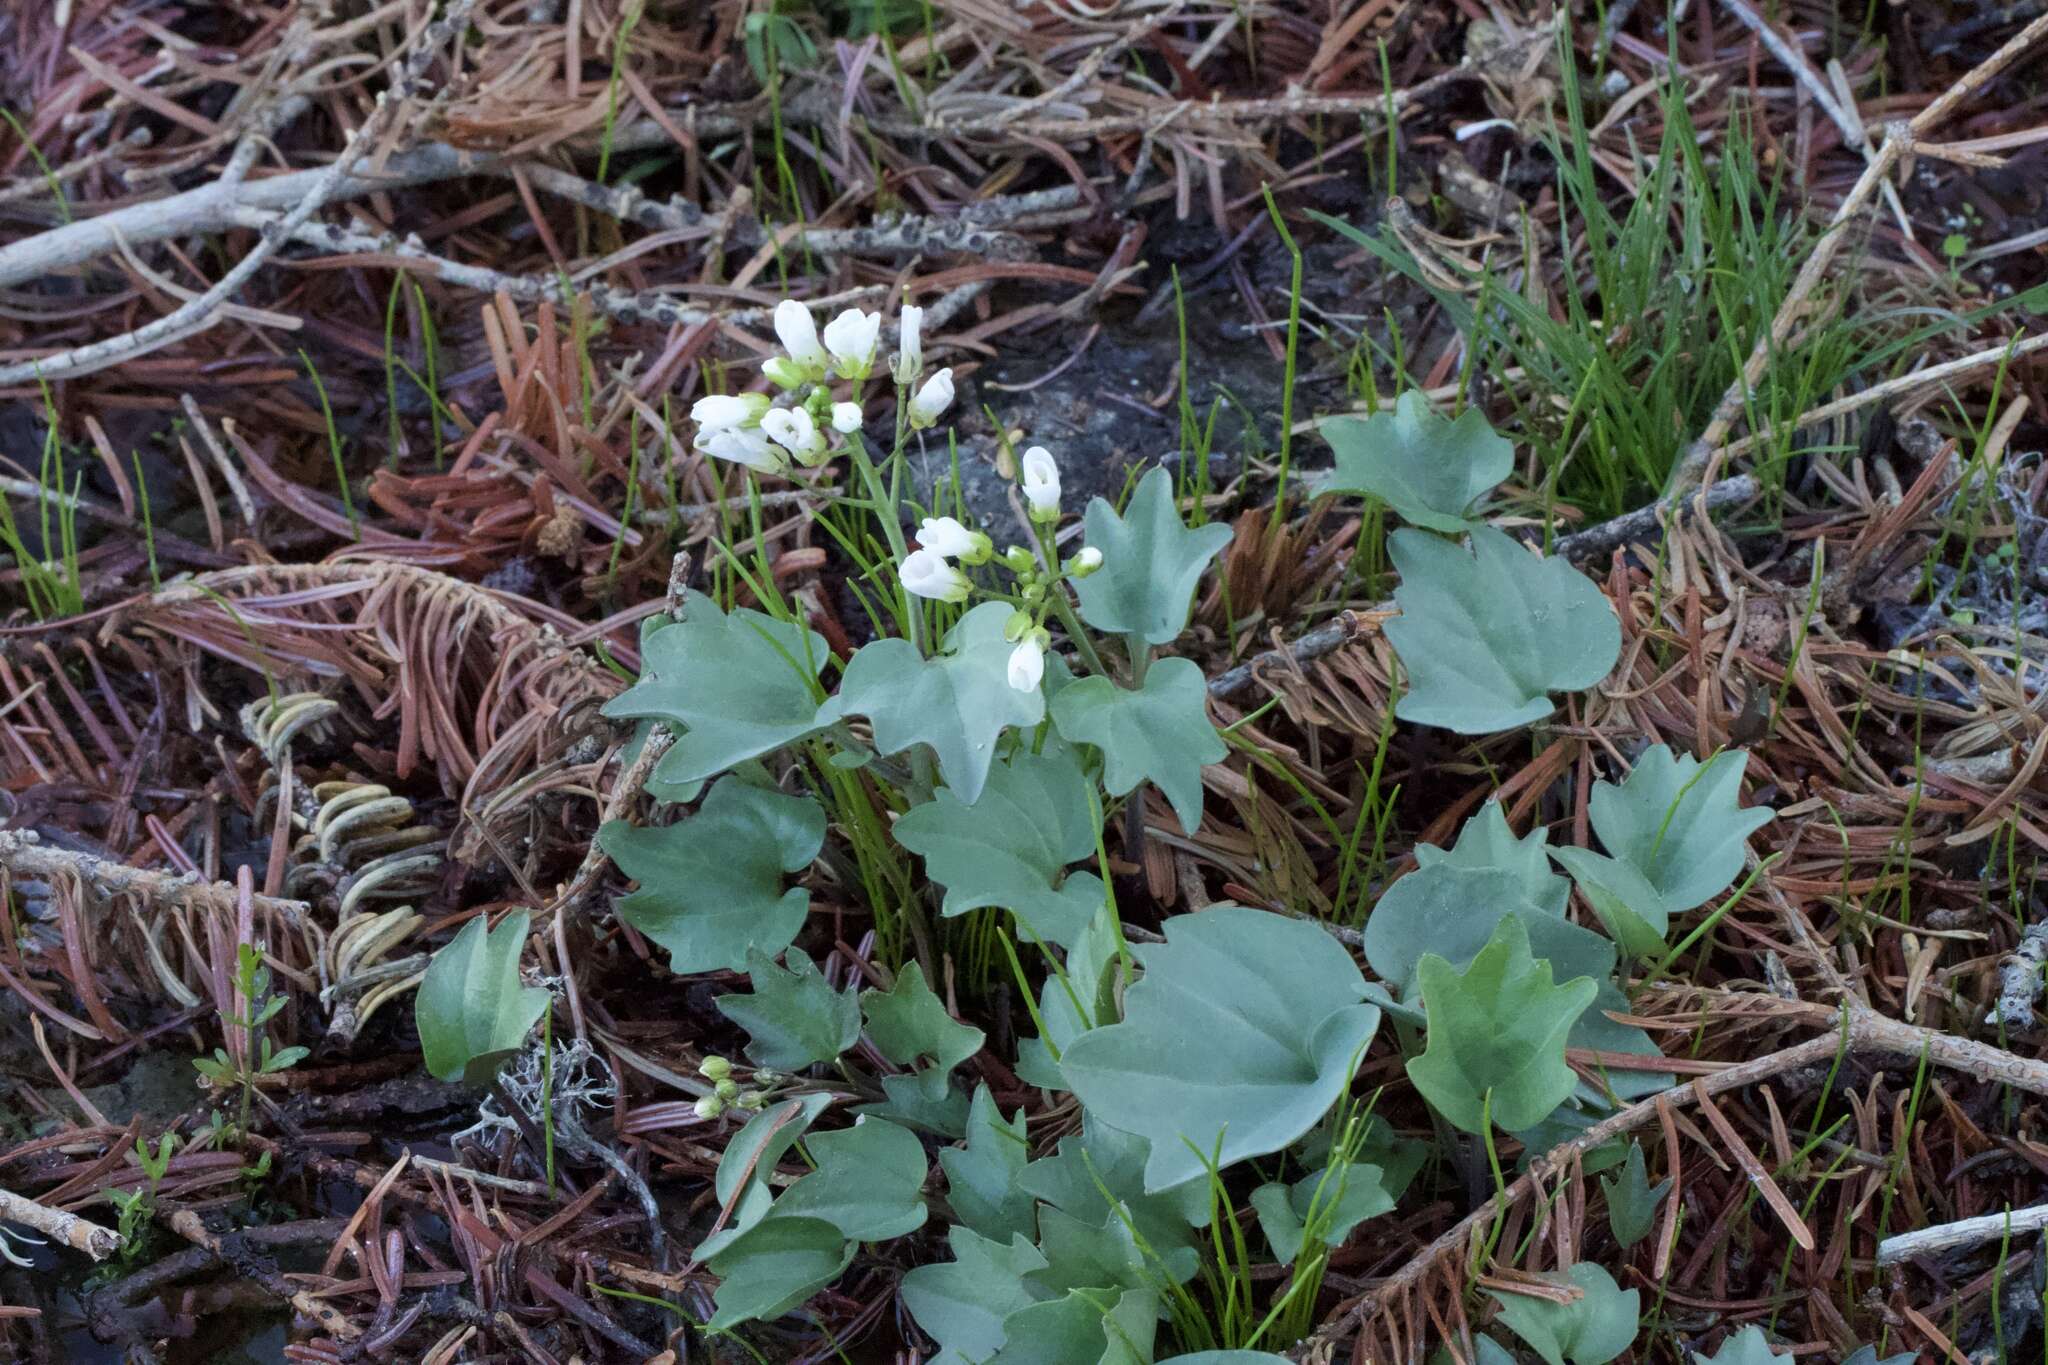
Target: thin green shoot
(611, 106)
(36, 153)
(348, 501)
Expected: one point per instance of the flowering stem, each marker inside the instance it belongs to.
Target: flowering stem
(1072, 623)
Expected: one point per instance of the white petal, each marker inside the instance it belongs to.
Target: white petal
(846, 418)
(945, 536)
(799, 335)
(931, 401)
(1027, 666)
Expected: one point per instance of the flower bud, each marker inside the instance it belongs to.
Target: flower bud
(909, 344)
(728, 1090)
(1018, 626)
(710, 1107)
(931, 401)
(1020, 560)
(1085, 561)
(714, 1068)
(784, 373)
(1027, 663)
(1041, 484)
(846, 418)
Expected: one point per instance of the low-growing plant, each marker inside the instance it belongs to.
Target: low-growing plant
(1014, 704)
(255, 1056)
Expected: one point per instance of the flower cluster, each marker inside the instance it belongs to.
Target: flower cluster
(767, 435)
(728, 1093)
(930, 570)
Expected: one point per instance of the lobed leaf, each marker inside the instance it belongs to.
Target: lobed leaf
(1428, 468)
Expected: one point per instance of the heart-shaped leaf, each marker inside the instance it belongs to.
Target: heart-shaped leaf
(926, 1099)
(868, 1183)
(1161, 732)
(962, 1303)
(1151, 563)
(981, 1178)
(1331, 1202)
(1487, 635)
(1011, 844)
(1099, 1177)
(471, 1010)
(957, 702)
(1679, 823)
(794, 1018)
(1429, 469)
(1082, 1327)
(1244, 1029)
(1591, 1329)
(910, 1025)
(1631, 1200)
(1498, 1028)
(1074, 1000)
(737, 686)
(1454, 911)
(1486, 842)
(711, 884)
(1748, 1347)
(773, 1266)
(749, 1159)
(1635, 915)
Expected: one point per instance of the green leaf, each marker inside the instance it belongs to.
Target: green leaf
(910, 1025)
(1151, 563)
(1748, 1347)
(1487, 635)
(1429, 469)
(1011, 845)
(1070, 1007)
(1590, 1330)
(1489, 1352)
(1631, 1200)
(1083, 1327)
(1082, 1255)
(794, 1018)
(1629, 906)
(1867, 1355)
(471, 1010)
(773, 1266)
(1486, 843)
(957, 702)
(1159, 733)
(1499, 1027)
(711, 884)
(981, 1178)
(1679, 823)
(868, 1183)
(1337, 1199)
(1243, 1031)
(913, 1100)
(749, 1158)
(737, 687)
(1454, 911)
(1100, 1176)
(961, 1304)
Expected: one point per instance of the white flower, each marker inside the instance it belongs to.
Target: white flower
(910, 344)
(743, 445)
(1085, 561)
(846, 418)
(1041, 484)
(948, 538)
(1027, 664)
(851, 338)
(945, 536)
(926, 573)
(799, 337)
(722, 410)
(794, 431)
(931, 401)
